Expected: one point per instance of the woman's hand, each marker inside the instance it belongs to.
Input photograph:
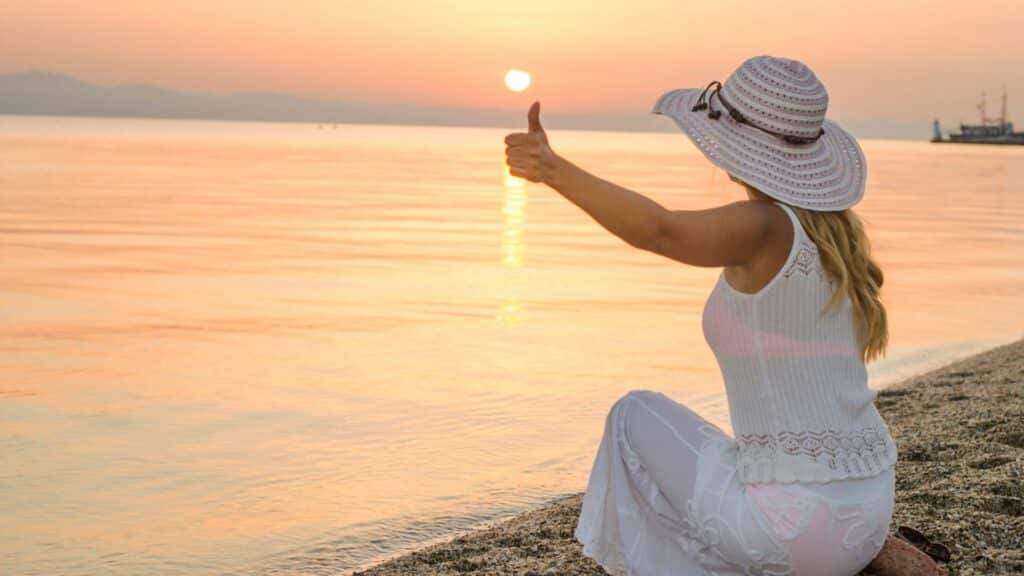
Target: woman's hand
(528, 154)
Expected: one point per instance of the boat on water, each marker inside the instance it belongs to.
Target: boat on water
(990, 131)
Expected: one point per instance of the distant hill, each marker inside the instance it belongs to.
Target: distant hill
(49, 94)
(41, 93)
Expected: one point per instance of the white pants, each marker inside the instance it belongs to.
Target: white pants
(664, 499)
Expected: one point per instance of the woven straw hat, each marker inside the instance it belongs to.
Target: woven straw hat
(766, 126)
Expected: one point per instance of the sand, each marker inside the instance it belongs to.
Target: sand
(959, 479)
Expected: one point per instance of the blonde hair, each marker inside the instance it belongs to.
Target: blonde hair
(846, 255)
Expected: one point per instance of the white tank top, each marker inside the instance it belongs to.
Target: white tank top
(796, 382)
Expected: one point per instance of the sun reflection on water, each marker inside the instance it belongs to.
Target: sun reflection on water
(510, 311)
(515, 214)
(513, 246)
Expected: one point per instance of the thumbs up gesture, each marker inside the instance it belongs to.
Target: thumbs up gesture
(528, 154)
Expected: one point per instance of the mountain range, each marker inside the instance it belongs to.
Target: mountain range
(41, 93)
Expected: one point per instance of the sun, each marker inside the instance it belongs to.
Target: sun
(517, 80)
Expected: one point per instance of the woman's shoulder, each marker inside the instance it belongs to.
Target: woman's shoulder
(773, 214)
(772, 254)
(782, 225)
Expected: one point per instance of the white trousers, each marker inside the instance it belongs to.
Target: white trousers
(664, 499)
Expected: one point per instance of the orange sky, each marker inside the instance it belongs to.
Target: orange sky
(881, 59)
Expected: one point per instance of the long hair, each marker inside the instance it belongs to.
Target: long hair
(846, 255)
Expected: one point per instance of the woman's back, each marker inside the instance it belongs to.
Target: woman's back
(795, 378)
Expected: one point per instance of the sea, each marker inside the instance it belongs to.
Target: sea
(257, 348)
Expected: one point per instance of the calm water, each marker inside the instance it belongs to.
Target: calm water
(273, 349)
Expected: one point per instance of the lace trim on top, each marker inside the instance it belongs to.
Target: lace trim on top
(806, 261)
(815, 456)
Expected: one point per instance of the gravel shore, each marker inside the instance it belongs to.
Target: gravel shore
(959, 479)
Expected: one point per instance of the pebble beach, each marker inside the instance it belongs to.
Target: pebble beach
(959, 480)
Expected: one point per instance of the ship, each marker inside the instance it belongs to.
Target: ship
(990, 131)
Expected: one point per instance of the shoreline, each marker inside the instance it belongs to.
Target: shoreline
(959, 429)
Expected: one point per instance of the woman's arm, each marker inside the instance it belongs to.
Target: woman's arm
(730, 235)
(632, 217)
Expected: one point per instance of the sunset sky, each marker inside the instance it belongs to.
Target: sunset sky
(884, 60)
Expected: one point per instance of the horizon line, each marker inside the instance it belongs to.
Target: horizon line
(97, 100)
(384, 125)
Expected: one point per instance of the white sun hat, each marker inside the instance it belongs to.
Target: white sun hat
(766, 126)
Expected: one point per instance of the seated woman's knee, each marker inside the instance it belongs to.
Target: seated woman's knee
(644, 394)
(634, 395)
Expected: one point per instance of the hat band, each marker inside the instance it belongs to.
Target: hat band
(738, 116)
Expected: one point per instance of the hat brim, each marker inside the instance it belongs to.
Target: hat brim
(826, 175)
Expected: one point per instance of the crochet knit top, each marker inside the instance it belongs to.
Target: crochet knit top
(795, 379)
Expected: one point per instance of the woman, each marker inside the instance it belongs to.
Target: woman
(806, 487)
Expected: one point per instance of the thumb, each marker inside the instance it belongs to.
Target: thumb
(534, 118)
